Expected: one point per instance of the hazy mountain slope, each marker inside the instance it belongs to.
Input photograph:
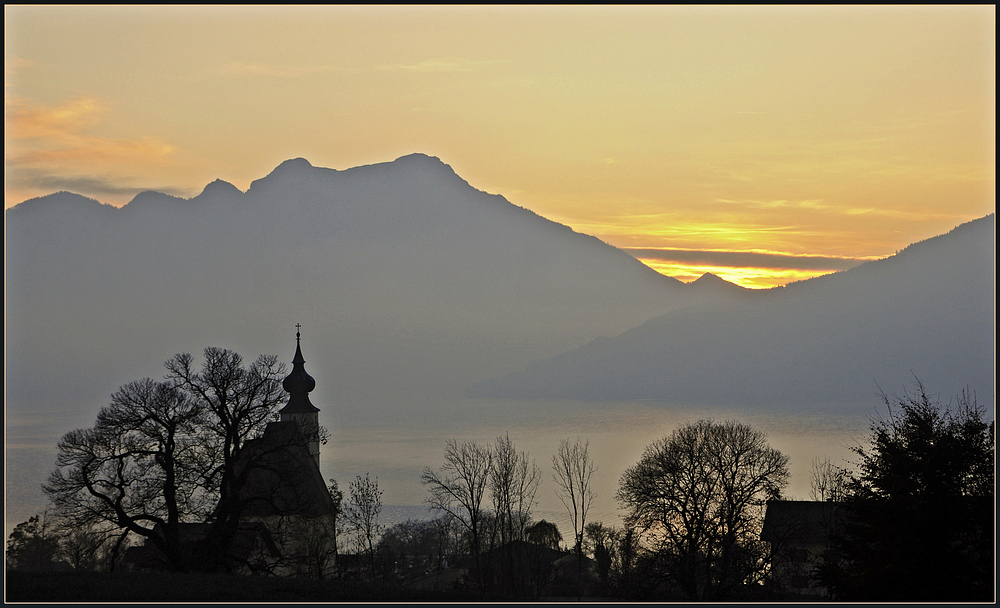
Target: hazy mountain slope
(927, 311)
(406, 280)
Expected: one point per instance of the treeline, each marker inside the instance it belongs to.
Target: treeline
(914, 517)
(161, 469)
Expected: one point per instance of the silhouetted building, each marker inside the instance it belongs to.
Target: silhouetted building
(285, 490)
(287, 524)
(299, 409)
(799, 532)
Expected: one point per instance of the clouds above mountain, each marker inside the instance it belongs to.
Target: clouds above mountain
(30, 178)
(56, 148)
(747, 259)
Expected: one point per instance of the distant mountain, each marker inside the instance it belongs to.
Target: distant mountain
(927, 313)
(711, 284)
(407, 281)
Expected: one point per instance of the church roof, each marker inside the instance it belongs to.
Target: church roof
(284, 478)
(298, 384)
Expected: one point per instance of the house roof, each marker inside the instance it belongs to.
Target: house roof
(541, 552)
(800, 521)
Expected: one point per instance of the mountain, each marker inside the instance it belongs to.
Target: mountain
(709, 285)
(408, 283)
(926, 312)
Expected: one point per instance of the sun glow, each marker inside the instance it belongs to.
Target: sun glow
(751, 278)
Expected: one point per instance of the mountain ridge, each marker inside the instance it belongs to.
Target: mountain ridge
(409, 278)
(415, 282)
(833, 338)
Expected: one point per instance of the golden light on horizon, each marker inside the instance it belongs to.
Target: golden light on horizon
(751, 269)
(751, 278)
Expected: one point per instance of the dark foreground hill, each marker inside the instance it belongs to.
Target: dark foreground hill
(927, 313)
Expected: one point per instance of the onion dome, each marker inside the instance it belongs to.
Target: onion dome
(298, 384)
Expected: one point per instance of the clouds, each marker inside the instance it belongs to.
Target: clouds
(747, 259)
(239, 68)
(442, 64)
(29, 179)
(53, 148)
(816, 205)
(27, 121)
(13, 64)
(747, 268)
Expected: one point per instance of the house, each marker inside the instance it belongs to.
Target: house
(799, 532)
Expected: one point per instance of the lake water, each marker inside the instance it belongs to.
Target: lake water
(396, 446)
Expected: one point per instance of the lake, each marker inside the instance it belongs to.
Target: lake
(397, 446)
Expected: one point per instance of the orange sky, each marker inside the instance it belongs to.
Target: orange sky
(764, 144)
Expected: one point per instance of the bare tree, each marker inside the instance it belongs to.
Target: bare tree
(573, 469)
(338, 510)
(89, 547)
(513, 484)
(459, 490)
(238, 401)
(140, 468)
(165, 453)
(698, 498)
(827, 481)
(362, 515)
(749, 473)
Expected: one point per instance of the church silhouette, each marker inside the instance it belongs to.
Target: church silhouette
(287, 518)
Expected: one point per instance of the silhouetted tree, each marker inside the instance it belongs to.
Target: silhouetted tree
(92, 547)
(599, 541)
(459, 491)
(697, 497)
(418, 546)
(544, 533)
(513, 483)
(920, 522)
(361, 515)
(338, 510)
(827, 481)
(624, 580)
(509, 479)
(573, 470)
(32, 545)
(165, 453)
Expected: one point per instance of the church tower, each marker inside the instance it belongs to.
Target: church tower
(299, 409)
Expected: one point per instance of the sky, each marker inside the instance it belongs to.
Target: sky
(763, 144)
